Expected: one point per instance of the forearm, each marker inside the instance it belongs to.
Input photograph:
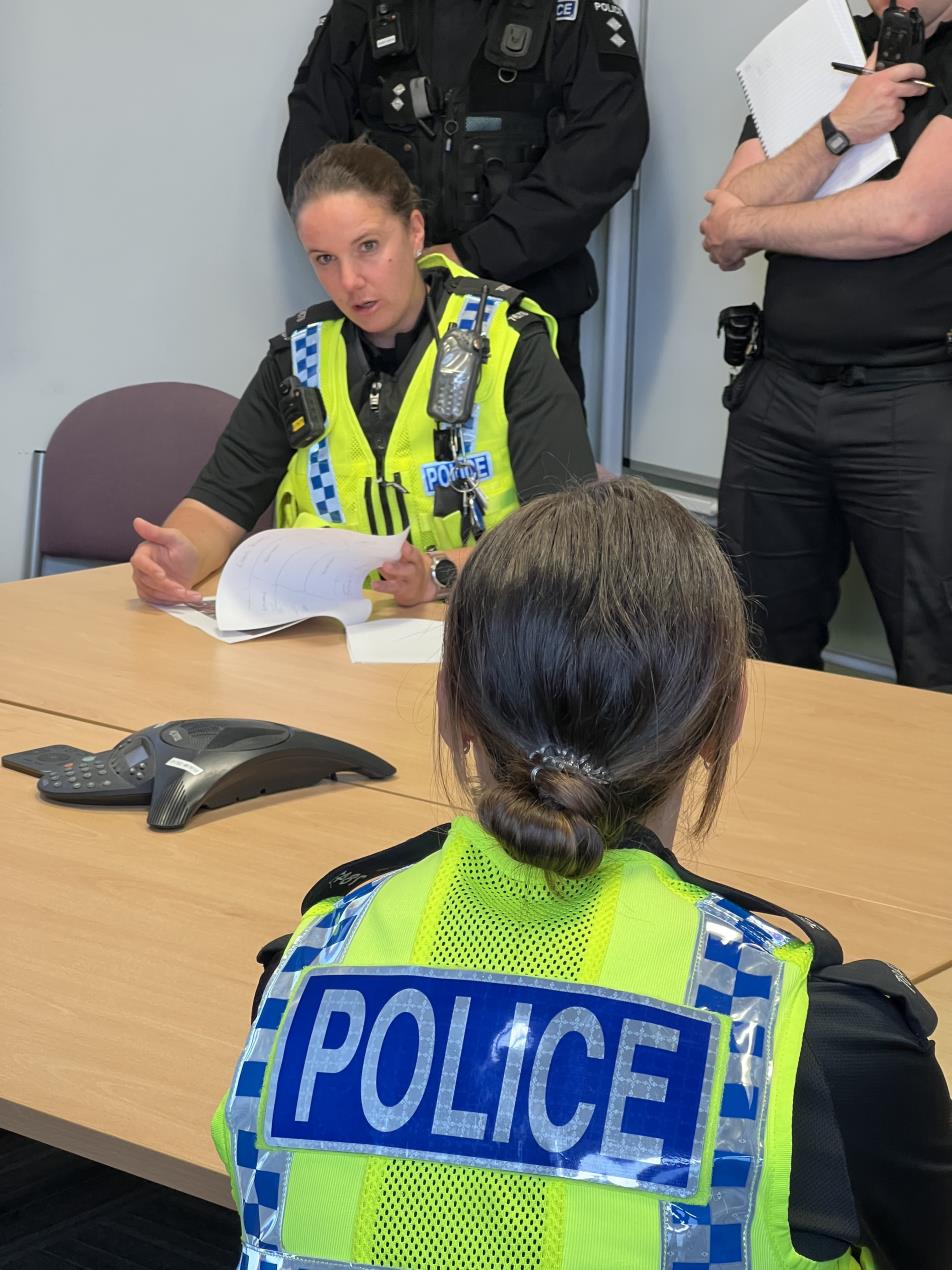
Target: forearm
(792, 176)
(212, 535)
(865, 223)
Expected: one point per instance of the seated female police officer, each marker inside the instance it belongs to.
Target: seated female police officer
(535, 1040)
(363, 452)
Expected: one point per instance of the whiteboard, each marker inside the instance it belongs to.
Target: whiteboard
(675, 418)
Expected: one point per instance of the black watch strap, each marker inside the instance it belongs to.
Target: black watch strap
(837, 142)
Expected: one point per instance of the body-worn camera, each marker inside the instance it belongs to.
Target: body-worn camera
(303, 413)
(740, 326)
(387, 37)
(902, 37)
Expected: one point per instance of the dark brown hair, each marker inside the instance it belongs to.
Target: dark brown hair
(604, 619)
(355, 167)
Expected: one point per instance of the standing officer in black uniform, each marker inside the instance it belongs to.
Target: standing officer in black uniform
(520, 121)
(842, 431)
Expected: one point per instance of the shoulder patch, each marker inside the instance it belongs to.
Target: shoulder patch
(613, 35)
(326, 311)
(890, 982)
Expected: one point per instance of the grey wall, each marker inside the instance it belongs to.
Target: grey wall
(143, 235)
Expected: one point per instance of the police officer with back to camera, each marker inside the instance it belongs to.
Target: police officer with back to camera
(521, 122)
(841, 431)
(532, 1038)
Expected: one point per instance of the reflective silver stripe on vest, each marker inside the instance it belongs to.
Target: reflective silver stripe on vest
(322, 483)
(255, 1259)
(735, 973)
(261, 1175)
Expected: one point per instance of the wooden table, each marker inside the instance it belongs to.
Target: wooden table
(86, 647)
(131, 954)
(135, 950)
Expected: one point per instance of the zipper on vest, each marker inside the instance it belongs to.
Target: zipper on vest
(374, 398)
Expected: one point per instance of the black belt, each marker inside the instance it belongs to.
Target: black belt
(857, 376)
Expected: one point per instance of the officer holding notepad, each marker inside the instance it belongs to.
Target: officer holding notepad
(840, 429)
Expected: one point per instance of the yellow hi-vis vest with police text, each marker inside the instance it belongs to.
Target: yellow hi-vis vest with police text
(338, 481)
(457, 1066)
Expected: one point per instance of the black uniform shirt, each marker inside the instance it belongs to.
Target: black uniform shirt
(894, 311)
(872, 1130)
(548, 444)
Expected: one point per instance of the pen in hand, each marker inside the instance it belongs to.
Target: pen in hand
(862, 70)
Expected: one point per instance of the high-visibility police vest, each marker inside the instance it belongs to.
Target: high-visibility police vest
(339, 481)
(454, 1066)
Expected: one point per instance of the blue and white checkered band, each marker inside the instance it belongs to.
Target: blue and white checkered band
(255, 1259)
(322, 484)
(735, 974)
(261, 1175)
(466, 321)
(496, 1071)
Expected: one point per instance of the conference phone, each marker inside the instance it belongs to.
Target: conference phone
(180, 767)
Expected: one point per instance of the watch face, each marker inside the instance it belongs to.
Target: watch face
(444, 571)
(837, 143)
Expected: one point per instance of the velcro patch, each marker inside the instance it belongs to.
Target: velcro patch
(497, 1071)
(566, 10)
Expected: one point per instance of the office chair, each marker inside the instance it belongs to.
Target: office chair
(132, 451)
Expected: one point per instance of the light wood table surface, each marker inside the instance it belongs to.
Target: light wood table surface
(130, 954)
(83, 645)
(840, 785)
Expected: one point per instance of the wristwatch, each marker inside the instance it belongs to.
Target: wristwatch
(836, 142)
(444, 573)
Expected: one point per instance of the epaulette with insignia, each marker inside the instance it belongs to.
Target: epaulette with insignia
(326, 311)
(890, 982)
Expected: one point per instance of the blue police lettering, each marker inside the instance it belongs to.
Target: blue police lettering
(477, 466)
(489, 1070)
(566, 10)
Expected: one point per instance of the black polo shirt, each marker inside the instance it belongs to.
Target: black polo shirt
(894, 311)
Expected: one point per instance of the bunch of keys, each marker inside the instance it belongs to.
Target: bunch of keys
(473, 515)
(465, 481)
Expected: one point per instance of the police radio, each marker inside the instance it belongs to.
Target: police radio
(459, 359)
(902, 37)
(303, 413)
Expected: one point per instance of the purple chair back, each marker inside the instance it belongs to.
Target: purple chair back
(130, 452)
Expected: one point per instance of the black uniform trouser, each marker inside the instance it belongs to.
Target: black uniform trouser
(568, 347)
(810, 468)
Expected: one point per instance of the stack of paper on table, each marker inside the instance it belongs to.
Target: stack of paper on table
(283, 576)
(790, 85)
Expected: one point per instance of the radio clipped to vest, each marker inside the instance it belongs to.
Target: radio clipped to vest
(902, 37)
(459, 359)
(303, 413)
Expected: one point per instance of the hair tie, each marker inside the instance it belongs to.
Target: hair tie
(562, 758)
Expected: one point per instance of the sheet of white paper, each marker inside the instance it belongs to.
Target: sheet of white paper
(790, 84)
(396, 639)
(204, 619)
(286, 575)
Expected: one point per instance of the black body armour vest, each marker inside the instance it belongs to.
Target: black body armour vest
(464, 147)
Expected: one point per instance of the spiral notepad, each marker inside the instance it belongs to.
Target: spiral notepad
(790, 85)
